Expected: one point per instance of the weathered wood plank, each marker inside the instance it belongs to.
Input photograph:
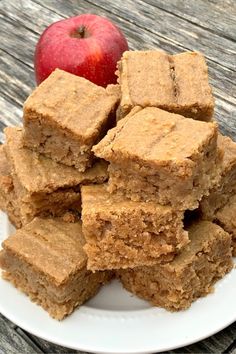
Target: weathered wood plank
(214, 16)
(225, 115)
(16, 78)
(48, 347)
(232, 348)
(17, 42)
(12, 342)
(10, 112)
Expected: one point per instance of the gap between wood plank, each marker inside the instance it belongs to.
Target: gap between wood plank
(50, 9)
(4, 15)
(29, 340)
(230, 348)
(15, 58)
(160, 35)
(192, 22)
(11, 100)
(210, 12)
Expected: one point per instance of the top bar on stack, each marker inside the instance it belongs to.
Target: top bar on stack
(176, 83)
(163, 157)
(65, 116)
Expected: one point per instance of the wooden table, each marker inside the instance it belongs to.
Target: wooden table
(205, 25)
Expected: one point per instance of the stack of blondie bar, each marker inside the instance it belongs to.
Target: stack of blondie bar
(42, 168)
(143, 163)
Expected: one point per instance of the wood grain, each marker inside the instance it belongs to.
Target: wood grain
(48, 347)
(214, 16)
(174, 26)
(12, 341)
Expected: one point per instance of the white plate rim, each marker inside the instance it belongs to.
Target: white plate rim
(95, 350)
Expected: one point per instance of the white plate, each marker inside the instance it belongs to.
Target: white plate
(116, 322)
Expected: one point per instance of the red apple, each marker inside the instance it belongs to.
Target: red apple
(85, 45)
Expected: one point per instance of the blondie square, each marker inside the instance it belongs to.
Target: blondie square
(45, 260)
(161, 157)
(221, 193)
(176, 83)
(225, 217)
(8, 200)
(43, 186)
(65, 116)
(190, 275)
(121, 233)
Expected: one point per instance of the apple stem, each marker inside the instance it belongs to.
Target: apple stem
(80, 32)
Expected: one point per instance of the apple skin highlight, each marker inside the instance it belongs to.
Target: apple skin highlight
(86, 45)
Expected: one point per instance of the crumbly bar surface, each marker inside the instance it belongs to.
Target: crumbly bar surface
(221, 193)
(225, 217)
(163, 157)
(65, 116)
(176, 83)
(45, 259)
(43, 186)
(192, 274)
(8, 200)
(114, 90)
(121, 233)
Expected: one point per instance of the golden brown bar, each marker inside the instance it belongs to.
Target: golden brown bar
(43, 186)
(162, 157)
(65, 116)
(176, 83)
(190, 275)
(45, 260)
(121, 233)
